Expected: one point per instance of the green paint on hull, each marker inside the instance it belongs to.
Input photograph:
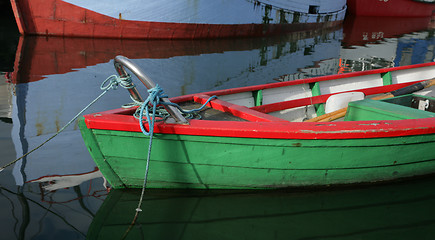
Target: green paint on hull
(183, 161)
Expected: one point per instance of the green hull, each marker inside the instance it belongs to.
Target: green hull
(204, 162)
(396, 211)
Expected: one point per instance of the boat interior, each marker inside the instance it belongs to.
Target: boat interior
(410, 106)
(297, 103)
(361, 96)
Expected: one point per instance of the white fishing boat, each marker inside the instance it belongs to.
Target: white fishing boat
(169, 19)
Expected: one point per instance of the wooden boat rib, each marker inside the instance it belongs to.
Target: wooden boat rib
(254, 137)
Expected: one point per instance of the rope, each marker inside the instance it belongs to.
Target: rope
(153, 100)
(111, 82)
(161, 111)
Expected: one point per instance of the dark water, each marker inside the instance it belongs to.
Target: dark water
(57, 193)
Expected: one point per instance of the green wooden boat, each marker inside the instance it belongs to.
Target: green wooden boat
(388, 211)
(258, 137)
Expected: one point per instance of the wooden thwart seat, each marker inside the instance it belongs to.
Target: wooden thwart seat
(237, 110)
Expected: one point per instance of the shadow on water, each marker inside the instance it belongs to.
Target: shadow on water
(8, 37)
(56, 192)
(398, 211)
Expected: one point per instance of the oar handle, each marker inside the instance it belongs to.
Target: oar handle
(402, 91)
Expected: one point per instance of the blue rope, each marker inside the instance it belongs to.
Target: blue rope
(113, 81)
(193, 110)
(155, 94)
(153, 100)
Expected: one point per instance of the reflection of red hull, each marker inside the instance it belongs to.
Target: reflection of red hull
(390, 8)
(361, 30)
(37, 57)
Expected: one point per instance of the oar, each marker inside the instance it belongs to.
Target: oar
(402, 91)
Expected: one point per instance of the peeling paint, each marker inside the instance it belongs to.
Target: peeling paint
(370, 124)
(362, 130)
(39, 129)
(326, 125)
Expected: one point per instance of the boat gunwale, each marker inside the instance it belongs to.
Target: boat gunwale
(303, 81)
(262, 127)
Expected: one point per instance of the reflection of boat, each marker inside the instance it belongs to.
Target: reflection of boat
(253, 137)
(167, 19)
(379, 42)
(382, 212)
(392, 8)
(362, 30)
(183, 64)
(52, 183)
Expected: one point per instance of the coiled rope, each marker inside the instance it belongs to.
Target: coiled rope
(111, 82)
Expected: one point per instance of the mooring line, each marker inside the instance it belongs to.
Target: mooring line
(113, 80)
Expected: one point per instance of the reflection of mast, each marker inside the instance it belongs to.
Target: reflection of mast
(25, 212)
(24, 201)
(21, 93)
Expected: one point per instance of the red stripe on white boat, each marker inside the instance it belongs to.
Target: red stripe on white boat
(58, 18)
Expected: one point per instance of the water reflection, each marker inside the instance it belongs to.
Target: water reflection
(188, 66)
(58, 187)
(378, 42)
(56, 77)
(381, 212)
(29, 212)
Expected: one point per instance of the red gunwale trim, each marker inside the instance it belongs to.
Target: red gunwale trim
(271, 130)
(274, 128)
(268, 126)
(273, 107)
(302, 81)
